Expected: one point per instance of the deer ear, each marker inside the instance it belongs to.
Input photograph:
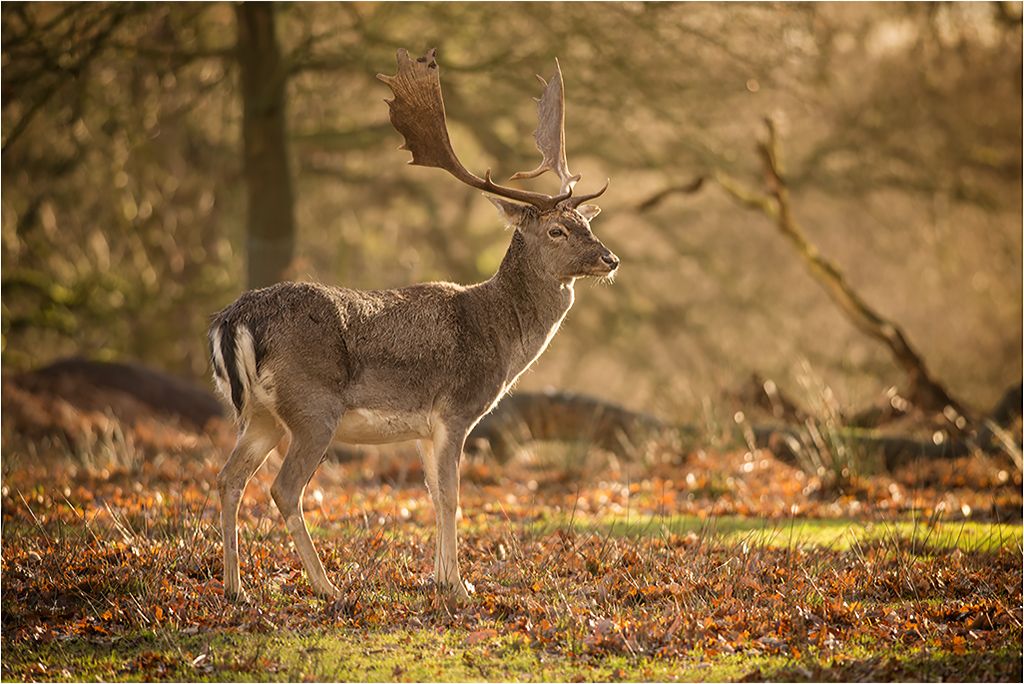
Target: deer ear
(513, 213)
(589, 211)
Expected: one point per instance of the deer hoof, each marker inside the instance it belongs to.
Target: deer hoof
(330, 593)
(460, 591)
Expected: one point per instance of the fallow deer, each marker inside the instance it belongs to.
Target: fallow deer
(426, 362)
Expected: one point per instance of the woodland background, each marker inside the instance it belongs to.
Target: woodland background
(125, 217)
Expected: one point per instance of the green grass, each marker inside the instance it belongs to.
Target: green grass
(837, 534)
(355, 655)
(428, 655)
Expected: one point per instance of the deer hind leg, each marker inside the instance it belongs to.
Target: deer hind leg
(255, 442)
(308, 445)
(448, 445)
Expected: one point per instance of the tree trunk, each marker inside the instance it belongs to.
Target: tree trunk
(271, 223)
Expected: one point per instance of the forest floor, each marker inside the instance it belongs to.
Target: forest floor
(719, 564)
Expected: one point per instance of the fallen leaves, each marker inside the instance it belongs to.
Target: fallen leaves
(96, 554)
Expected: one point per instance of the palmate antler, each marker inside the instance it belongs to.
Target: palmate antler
(417, 112)
(550, 133)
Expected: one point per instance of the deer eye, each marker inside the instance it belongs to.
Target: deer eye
(556, 233)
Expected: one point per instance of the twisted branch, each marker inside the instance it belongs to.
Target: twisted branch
(923, 389)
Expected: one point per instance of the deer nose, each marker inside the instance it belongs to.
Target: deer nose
(610, 260)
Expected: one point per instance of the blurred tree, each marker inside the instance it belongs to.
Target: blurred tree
(113, 181)
(271, 223)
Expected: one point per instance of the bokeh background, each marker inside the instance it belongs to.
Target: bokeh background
(125, 171)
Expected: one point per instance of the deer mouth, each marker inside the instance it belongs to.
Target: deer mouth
(601, 270)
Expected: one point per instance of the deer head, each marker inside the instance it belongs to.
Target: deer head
(556, 228)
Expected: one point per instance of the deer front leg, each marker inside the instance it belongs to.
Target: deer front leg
(447, 450)
(428, 457)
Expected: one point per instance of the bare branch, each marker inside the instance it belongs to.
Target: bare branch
(173, 54)
(98, 42)
(924, 390)
(751, 199)
(689, 188)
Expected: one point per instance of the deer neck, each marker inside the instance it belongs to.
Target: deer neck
(529, 303)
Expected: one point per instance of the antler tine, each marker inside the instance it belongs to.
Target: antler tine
(577, 201)
(550, 133)
(417, 112)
